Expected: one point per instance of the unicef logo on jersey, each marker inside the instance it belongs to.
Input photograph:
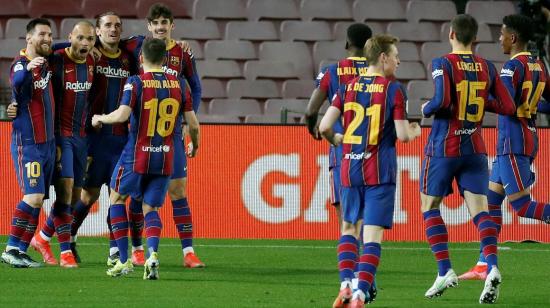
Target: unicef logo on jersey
(159, 149)
(358, 156)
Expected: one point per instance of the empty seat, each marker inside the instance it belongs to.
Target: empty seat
(67, 25)
(418, 10)
(415, 32)
(431, 50)
(218, 69)
(296, 52)
(378, 10)
(341, 29)
(269, 69)
(196, 49)
(483, 33)
(252, 89)
(293, 30)
(179, 8)
(229, 49)
(15, 28)
(10, 47)
(333, 50)
(134, 27)
(262, 119)
(269, 9)
(298, 88)
(13, 8)
(219, 9)
(325, 63)
(218, 119)
(251, 30)
(427, 122)
(490, 12)
(61, 8)
(196, 29)
(410, 70)
(491, 52)
(325, 9)
(414, 108)
(420, 89)
(236, 107)
(124, 8)
(275, 106)
(213, 88)
(408, 51)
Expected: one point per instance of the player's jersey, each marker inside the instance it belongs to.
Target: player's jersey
(526, 79)
(369, 107)
(463, 83)
(33, 93)
(329, 81)
(111, 72)
(72, 81)
(177, 63)
(157, 103)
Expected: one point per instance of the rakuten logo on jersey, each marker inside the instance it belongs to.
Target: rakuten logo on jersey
(78, 86)
(170, 71)
(43, 82)
(112, 72)
(160, 148)
(358, 156)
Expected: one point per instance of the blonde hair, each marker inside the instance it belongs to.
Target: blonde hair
(378, 44)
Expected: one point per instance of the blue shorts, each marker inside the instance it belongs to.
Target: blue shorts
(150, 188)
(34, 166)
(335, 185)
(72, 163)
(471, 173)
(513, 172)
(374, 204)
(103, 154)
(180, 159)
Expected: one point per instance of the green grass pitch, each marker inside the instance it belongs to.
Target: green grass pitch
(271, 273)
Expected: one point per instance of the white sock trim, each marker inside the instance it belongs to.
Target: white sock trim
(187, 250)
(45, 237)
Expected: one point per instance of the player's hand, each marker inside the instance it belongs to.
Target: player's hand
(96, 121)
(191, 150)
(314, 132)
(36, 62)
(184, 45)
(338, 138)
(12, 110)
(415, 128)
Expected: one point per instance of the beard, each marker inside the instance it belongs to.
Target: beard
(42, 51)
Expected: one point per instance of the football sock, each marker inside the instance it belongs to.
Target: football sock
(80, 212)
(19, 222)
(438, 238)
(368, 263)
(62, 222)
(526, 207)
(488, 238)
(113, 248)
(153, 226)
(29, 231)
(119, 225)
(495, 210)
(135, 217)
(182, 219)
(347, 257)
(48, 229)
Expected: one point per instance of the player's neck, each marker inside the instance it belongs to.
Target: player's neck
(459, 47)
(356, 53)
(514, 50)
(30, 52)
(375, 70)
(110, 48)
(147, 67)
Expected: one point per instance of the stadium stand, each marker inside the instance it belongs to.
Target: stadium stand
(296, 52)
(310, 31)
(262, 119)
(212, 88)
(134, 27)
(251, 30)
(219, 69)
(268, 9)
(414, 32)
(269, 69)
(229, 49)
(180, 8)
(125, 8)
(67, 25)
(408, 51)
(490, 12)
(325, 10)
(491, 51)
(219, 9)
(430, 10)
(15, 28)
(13, 8)
(235, 107)
(196, 29)
(274, 106)
(331, 50)
(54, 8)
(297, 88)
(484, 33)
(378, 10)
(259, 89)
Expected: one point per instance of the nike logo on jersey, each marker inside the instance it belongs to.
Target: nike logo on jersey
(507, 184)
(68, 71)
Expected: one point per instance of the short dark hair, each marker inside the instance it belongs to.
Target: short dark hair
(358, 34)
(154, 50)
(521, 25)
(158, 10)
(109, 13)
(378, 44)
(465, 28)
(37, 21)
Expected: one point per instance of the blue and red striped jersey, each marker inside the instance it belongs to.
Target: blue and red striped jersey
(525, 78)
(33, 92)
(158, 101)
(329, 81)
(369, 107)
(111, 72)
(72, 81)
(178, 63)
(463, 83)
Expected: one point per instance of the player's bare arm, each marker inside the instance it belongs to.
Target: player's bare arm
(312, 111)
(194, 132)
(118, 116)
(406, 131)
(325, 127)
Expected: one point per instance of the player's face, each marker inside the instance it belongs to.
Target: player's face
(161, 28)
(391, 61)
(41, 40)
(82, 41)
(110, 29)
(506, 39)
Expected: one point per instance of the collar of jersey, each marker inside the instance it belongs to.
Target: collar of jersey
(110, 54)
(372, 75)
(170, 45)
(155, 70)
(23, 52)
(523, 53)
(462, 52)
(357, 58)
(73, 59)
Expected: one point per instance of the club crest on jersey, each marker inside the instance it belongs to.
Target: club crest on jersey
(33, 182)
(18, 67)
(175, 61)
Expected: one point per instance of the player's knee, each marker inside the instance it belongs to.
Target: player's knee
(350, 229)
(429, 202)
(177, 189)
(34, 200)
(89, 195)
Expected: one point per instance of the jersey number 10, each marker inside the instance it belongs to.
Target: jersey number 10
(167, 112)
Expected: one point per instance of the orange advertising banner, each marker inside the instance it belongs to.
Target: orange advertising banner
(272, 182)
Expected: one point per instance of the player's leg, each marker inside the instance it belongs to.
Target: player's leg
(135, 219)
(435, 183)
(80, 148)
